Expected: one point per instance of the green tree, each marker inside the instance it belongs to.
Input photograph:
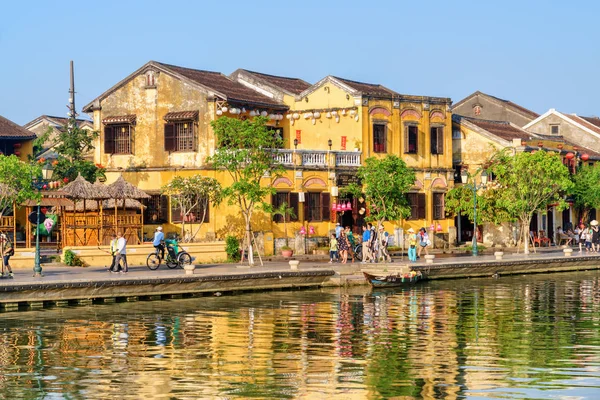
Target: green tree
(529, 182)
(459, 200)
(190, 193)
(385, 182)
(15, 179)
(586, 189)
(286, 213)
(72, 146)
(245, 152)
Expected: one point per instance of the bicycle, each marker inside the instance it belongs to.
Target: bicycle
(174, 257)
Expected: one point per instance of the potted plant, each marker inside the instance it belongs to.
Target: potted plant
(286, 212)
(357, 144)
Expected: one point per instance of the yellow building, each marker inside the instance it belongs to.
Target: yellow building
(155, 124)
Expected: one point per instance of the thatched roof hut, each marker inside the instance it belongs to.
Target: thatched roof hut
(84, 190)
(121, 189)
(130, 204)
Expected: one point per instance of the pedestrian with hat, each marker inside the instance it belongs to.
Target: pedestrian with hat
(159, 242)
(595, 236)
(412, 245)
(7, 250)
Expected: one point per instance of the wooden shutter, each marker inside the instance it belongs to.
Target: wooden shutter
(325, 207)
(421, 205)
(109, 139)
(406, 139)
(170, 142)
(294, 205)
(307, 200)
(440, 140)
(275, 203)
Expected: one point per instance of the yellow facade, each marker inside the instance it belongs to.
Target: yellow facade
(329, 110)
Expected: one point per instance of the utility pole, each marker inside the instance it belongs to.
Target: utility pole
(71, 106)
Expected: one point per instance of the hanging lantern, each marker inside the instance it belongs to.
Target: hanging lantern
(264, 113)
(316, 114)
(569, 156)
(343, 206)
(334, 113)
(311, 230)
(334, 206)
(224, 109)
(328, 115)
(252, 113)
(296, 115)
(343, 112)
(348, 206)
(439, 227)
(339, 207)
(314, 121)
(219, 112)
(585, 157)
(302, 231)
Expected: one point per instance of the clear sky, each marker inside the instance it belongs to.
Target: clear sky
(539, 54)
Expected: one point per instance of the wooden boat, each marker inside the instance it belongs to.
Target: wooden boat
(394, 280)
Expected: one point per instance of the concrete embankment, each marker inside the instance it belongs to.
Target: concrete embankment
(67, 285)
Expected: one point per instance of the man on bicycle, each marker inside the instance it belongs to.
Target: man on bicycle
(159, 242)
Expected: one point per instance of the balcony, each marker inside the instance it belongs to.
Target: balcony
(318, 158)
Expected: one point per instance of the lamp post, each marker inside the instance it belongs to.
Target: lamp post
(464, 177)
(38, 184)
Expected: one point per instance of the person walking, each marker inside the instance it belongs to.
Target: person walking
(588, 239)
(595, 236)
(338, 230)
(333, 248)
(159, 242)
(6, 250)
(373, 244)
(121, 253)
(113, 253)
(423, 242)
(365, 244)
(343, 247)
(412, 245)
(351, 241)
(385, 237)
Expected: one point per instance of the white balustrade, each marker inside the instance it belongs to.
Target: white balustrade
(314, 158)
(347, 159)
(283, 157)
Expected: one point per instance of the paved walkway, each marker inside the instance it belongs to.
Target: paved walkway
(76, 274)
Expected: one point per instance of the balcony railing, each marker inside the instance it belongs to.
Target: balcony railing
(314, 158)
(347, 159)
(284, 157)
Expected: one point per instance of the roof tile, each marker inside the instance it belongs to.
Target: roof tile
(11, 130)
(292, 85)
(368, 89)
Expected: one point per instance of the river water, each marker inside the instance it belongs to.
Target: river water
(526, 337)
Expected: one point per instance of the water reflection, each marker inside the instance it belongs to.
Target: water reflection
(524, 337)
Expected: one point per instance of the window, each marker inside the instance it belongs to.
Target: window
(316, 207)
(277, 134)
(437, 139)
(554, 129)
(193, 216)
(417, 205)
(157, 209)
(179, 136)
(379, 138)
(292, 201)
(438, 206)
(117, 139)
(411, 139)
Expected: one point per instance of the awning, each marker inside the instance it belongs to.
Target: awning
(119, 119)
(181, 115)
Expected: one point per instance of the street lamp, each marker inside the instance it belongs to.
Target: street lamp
(464, 177)
(38, 184)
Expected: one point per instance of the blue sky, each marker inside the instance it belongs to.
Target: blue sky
(540, 54)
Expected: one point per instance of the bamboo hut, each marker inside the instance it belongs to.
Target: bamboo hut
(83, 228)
(52, 202)
(130, 224)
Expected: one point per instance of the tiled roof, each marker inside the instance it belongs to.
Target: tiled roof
(583, 121)
(181, 115)
(235, 91)
(502, 129)
(10, 130)
(368, 89)
(592, 120)
(120, 119)
(65, 121)
(292, 85)
(516, 106)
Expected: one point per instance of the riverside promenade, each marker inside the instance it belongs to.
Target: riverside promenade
(63, 285)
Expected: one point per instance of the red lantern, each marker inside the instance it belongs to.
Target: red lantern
(302, 231)
(339, 207)
(334, 206)
(17, 145)
(585, 157)
(45, 187)
(66, 180)
(432, 227)
(439, 227)
(348, 206)
(311, 230)
(569, 156)
(540, 144)
(17, 153)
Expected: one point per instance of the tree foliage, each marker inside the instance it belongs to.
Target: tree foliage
(529, 182)
(245, 151)
(385, 182)
(72, 146)
(586, 189)
(459, 200)
(191, 193)
(16, 178)
(286, 213)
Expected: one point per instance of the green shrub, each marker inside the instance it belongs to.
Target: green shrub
(232, 248)
(479, 247)
(72, 259)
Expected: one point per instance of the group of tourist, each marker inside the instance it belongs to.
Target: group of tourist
(343, 245)
(587, 236)
(417, 240)
(118, 250)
